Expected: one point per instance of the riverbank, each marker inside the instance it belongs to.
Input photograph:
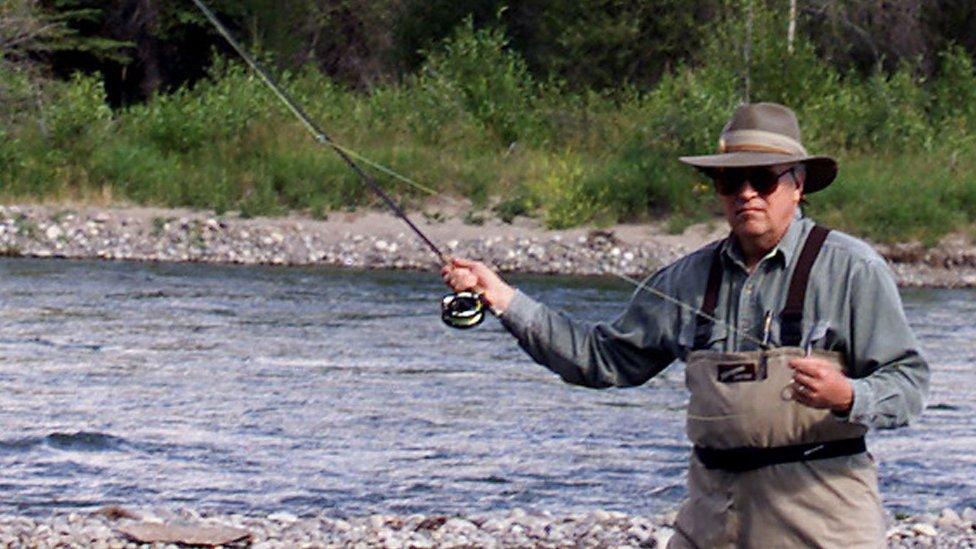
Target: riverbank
(120, 528)
(377, 240)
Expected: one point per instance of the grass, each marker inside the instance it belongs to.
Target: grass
(474, 123)
(910, 197)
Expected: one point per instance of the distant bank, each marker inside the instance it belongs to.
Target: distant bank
(377, 240)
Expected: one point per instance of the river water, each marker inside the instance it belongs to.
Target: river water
(250, 389)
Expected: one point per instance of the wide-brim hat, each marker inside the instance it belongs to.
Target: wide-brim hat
(765, 134)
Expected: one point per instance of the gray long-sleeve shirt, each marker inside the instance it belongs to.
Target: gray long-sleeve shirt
(852, 307)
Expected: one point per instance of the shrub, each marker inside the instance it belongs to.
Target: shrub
(474, 124)
(79, 108)
(475, 68)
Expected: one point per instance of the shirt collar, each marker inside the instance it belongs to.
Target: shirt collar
(787, 247)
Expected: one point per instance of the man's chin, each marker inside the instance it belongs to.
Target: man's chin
(751, 228)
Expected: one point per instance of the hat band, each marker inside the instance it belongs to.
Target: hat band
(759, 141)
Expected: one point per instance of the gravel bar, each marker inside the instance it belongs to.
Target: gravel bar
(380, 241)
(516, 528)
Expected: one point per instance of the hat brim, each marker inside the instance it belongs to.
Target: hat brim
(821, 170)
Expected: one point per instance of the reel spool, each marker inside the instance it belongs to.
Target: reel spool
(463, 310)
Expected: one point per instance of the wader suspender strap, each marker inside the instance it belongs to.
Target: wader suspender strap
(791, 317)
(703, 325)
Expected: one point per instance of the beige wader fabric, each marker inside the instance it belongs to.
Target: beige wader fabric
(831, 502)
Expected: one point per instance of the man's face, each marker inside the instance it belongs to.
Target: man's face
(760, 203)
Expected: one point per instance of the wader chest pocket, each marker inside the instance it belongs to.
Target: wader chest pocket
(738, 372)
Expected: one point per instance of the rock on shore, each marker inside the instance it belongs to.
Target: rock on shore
(380, 241)
(516, 528)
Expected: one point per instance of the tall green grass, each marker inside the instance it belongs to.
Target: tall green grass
(475, 123)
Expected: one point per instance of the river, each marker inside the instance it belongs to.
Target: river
(258, 389)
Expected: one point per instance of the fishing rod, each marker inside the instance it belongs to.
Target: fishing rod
(458, 310)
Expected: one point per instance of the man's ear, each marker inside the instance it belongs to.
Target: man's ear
(799, 177)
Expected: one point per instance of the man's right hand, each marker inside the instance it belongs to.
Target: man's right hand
(465, 275)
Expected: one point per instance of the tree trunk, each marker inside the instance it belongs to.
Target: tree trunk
(747, 54)
(145, 21)
(791, 31)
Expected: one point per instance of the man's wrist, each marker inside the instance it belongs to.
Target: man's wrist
(499, 299)
(844, 408)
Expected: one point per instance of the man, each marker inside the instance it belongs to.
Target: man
(799, 345)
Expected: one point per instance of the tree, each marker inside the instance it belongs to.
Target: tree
(156, 44)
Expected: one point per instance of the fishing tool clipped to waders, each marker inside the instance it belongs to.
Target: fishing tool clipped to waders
(460, 310)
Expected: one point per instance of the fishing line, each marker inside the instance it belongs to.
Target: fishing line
(458, 310)
(318, 133)
(654, 291)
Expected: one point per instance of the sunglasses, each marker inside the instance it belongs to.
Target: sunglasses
(763, 180)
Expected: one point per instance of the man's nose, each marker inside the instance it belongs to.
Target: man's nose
(747, 191)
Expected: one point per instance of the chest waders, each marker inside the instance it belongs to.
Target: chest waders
(767, 471)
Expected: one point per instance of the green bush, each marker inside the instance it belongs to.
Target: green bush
(79, 109)
(474, 68)
(474, 124)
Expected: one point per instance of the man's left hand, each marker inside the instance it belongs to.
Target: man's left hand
(817, 384)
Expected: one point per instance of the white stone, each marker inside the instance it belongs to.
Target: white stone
(923, 529)
(377, 521)
(459, 525)
(53, 232)
(420, 543)
(949, 519)
(663, 536)
(283, 516)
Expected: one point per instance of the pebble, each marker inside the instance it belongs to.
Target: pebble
(924, 529)
(283, 516)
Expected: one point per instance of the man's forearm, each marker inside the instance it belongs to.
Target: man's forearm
(893, 395)
(601, 355)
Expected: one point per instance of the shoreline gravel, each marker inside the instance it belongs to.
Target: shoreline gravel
(374, 240)
(106, 528)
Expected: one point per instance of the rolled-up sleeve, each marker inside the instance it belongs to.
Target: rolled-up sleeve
(625, 352)
(891, 376)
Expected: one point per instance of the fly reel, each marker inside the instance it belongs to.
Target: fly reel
(463, 310)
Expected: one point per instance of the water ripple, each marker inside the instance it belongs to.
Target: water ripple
(250, 389)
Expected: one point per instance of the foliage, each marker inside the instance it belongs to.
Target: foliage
(476, 122)
(474, 69)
